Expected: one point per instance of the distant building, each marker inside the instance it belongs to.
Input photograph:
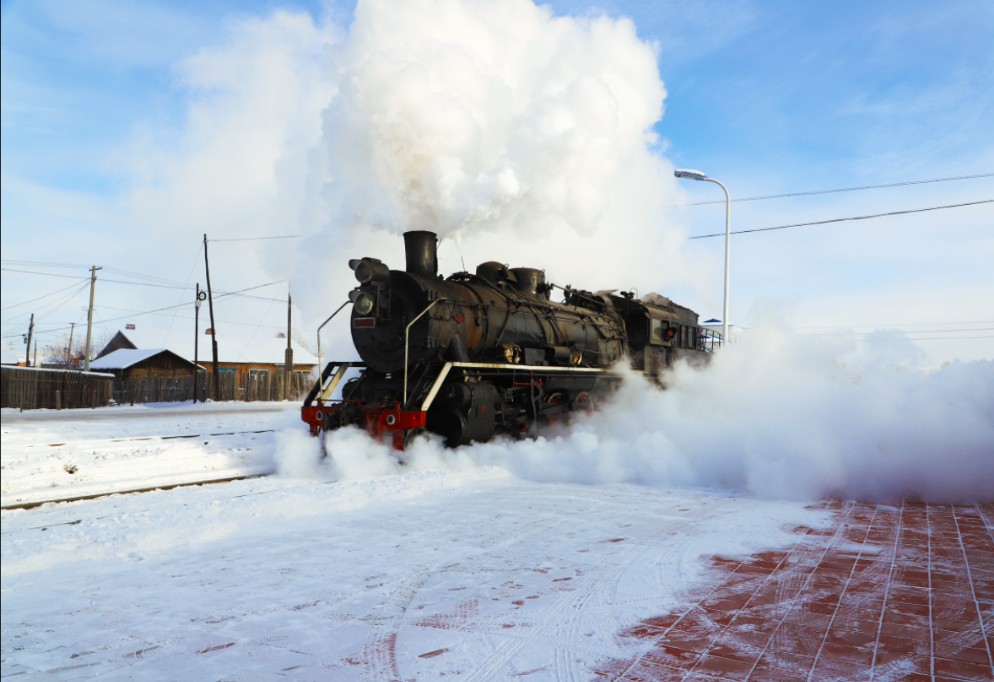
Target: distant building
(713, 327)
(131, 363)
(147, 376)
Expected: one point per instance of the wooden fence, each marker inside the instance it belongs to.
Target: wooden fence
(231, 386)
(27, 388)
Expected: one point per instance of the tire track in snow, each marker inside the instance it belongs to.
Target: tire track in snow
(378, 656)
(563, 617)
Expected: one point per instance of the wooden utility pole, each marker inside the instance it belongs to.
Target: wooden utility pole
(72, 328)
(27, 341)
(89, 319)
(288, 359)
(210, 305)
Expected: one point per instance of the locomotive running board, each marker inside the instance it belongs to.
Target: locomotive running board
(430, 398)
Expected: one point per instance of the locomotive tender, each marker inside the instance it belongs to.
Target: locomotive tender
(475, 355)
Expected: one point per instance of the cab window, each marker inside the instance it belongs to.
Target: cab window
(656, 332)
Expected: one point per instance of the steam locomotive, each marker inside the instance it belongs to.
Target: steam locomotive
(471, 356)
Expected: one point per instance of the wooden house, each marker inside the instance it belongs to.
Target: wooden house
(144, 376)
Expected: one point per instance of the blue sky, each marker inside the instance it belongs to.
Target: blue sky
(104, 103)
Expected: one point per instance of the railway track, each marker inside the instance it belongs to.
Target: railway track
(75, 454)
(131, 439)
(132, 491)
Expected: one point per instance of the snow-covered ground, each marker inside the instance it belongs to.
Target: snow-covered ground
(505, 560)
(418, 572)
(59, 454)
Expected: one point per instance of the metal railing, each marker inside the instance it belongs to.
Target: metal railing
(407, 341)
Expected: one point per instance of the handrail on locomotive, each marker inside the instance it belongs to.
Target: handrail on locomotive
(407, 343)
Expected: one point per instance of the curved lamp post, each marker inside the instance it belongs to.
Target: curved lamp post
(688, 174)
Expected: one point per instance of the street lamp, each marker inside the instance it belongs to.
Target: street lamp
(687, 174)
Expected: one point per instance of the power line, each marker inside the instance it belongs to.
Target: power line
(147, 284)
(78, 287)
(157, 286)
(257, 239)
(146, 276)
(183, 316)
(47, 274)
(905, 332)
(834, 191)
(44, 263)
(952, 338)
(240, 294)
(892, 325)
(840, 220)
(181, 305)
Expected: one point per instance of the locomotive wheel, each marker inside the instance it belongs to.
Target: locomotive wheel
(556, 405)
(583, 402)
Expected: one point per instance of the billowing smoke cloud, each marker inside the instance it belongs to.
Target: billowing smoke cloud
(516, 135)
(456, 116)
(775, 415)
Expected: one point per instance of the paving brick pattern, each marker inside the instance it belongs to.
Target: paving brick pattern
(889, 593)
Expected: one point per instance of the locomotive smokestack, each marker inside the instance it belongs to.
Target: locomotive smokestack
(421, 248)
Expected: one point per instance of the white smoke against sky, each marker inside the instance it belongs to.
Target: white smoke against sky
(775, 415)
(457, 116)
(516, 135)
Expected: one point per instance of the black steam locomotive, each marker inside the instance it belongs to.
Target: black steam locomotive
(474, 355)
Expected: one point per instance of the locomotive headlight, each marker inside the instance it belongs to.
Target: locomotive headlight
(370, 270)
(363, 303)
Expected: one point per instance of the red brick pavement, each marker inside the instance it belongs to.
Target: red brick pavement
(890, 593)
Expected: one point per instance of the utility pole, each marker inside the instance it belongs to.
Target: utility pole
(89, 319)
(210, 305)
(27, 341)
(201, 295)
(72, 328)
(288, 379)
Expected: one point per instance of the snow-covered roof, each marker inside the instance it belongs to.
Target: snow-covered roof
(127, 357)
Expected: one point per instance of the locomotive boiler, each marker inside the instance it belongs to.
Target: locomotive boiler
(471, 356)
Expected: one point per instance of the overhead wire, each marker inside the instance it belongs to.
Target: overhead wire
(193, 266)
(840, 220)
(47, 274)
(837, 190)
(257, 239)
(893, 325)
(33, 300)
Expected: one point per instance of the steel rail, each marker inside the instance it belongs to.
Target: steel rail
(131, 491)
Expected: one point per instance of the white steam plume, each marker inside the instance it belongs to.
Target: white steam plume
(774, 416)
(486, 115)
(516, 135)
